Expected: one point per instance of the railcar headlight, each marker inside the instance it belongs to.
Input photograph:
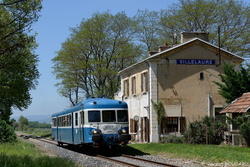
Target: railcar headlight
(122, 131)
(96, 131)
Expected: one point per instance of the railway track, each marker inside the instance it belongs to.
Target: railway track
(133, 161)
(122, 159)
(148, 161)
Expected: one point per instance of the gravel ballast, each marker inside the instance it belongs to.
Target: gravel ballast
(89, 161)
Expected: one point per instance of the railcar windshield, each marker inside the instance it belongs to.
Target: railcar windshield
(94, 116)
(122, 115)
(108, 116)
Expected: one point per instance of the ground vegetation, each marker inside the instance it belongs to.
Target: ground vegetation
(18, 62)
(89, 60)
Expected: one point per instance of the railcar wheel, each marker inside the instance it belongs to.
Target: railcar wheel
(60, 144)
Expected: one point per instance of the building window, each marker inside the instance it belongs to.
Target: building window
(133, 85)
(144, 82)
(126, 88)
(201, 75)
(219, 117)
(173, 124)
(234, 124)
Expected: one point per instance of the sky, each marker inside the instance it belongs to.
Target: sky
(52, 28)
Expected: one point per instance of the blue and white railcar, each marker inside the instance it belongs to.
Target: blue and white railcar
(95, 121)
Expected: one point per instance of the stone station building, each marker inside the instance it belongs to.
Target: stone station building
(182, 78)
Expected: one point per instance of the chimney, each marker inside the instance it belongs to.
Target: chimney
(163, 47)
(187, 36)
(152, 53)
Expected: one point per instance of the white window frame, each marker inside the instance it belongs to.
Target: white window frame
(144, 82)
(133, 85)
(126, 87)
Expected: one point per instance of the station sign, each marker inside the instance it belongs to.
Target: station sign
(195, 61)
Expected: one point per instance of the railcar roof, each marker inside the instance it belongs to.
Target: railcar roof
(94, 103)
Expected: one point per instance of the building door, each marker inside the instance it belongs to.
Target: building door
(144, 129)
(146, 120)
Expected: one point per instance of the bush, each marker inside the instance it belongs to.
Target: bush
(7, 133)
(172, 139)
(206, 131)
(243, 123)
(175, 139)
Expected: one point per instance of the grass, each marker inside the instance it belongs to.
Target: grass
(24, 154)
(210, 153)
(43, 132)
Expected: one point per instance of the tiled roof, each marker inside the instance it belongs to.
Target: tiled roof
(233, 56)
(239, 105)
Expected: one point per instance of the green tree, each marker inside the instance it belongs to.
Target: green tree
(97, 49)
(244, 127)
(7, 133)
(14, 123)
(234, 82)
(160, 111)
(147, 29)
(18, 63)
(206, 15)
(206, 131)
(23, 123)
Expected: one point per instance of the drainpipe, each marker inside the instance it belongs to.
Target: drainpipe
(219, 46)
(149, 104)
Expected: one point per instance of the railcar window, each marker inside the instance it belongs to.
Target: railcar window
(76, 119)
(94, 116)
(54, 122)
(69, 120)
(122, 115)
(82, 118)
(63, 121)
(108, 116)
(60, 121)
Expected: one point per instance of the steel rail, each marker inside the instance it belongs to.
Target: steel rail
(149, 161)
(117, 161)
(104, 157)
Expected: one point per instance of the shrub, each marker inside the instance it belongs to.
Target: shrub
(206, 131)
(175, 139)
(243, 123)
(7, 133)
(172, 139)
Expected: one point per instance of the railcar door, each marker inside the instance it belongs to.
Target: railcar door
(72, 127)
(82, 126)
(54, 127)
(76, 130)
(57, 124)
